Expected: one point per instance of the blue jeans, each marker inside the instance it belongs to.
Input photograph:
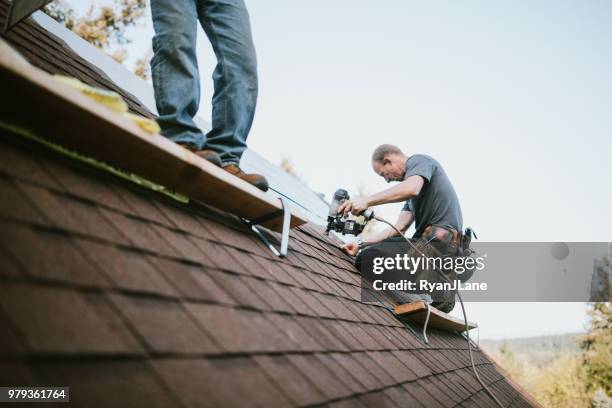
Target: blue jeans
(176, 79)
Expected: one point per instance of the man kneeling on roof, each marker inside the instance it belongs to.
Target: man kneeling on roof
(430, 200)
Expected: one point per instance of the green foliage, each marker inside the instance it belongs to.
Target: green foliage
(105, 26)
(597, 348)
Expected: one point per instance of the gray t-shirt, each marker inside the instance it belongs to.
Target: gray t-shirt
(437, 203)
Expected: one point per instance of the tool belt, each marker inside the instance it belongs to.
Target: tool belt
(446, 235)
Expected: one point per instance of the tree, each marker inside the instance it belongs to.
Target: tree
(104, 26)
(287, 165)
(597, 348)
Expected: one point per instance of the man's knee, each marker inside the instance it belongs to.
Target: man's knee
(173, 44)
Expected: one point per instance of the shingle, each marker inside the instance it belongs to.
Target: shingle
(421, 395)
(413, 363)
(342, 374)
(372, 367)
(15, 374)
(314, 305)
(341, 331)
(220, 383)
(182, 245)
(302, 278)
(352, 291)
(106, 383)
(367, 342)
(248, 383)
(10, 268)
(126, 269)
(320, 330)
(17, 162)
(141, 204)
(255, 268)
(437, 392)
(183, 220)
(296, 333)
(81, 184)
(241, 238)
(53, 320)
(408, 339)
(164, 325)
(358, 311)
(359, 371)
(237, 330)
(265, 291)
(56, 256)
(467, 388)
(458, 391)
(297, 388)
(319, 375)
(218, 255)
(468, 379)
(275, 272)
(379, 337)
(240, 261)
(15, 205)
(194, 382)
(239, 290)
(393, 366)
(291, 299)
(140, 234)
(336, 306)
(70, 214)
(425, 356)
(394, 337)
(325, 284)
(193, 282)
(400, 396)
(11, 342)
(352, 402)
(442, 359)
(377, 399)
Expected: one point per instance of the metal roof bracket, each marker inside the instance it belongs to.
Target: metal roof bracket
(286, 214)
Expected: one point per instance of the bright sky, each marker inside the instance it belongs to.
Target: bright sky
(513, 98)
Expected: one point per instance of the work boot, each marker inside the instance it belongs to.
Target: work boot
(257, 180)
(208, 155)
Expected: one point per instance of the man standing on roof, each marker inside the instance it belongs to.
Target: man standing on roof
(176, 79)
(429, 197)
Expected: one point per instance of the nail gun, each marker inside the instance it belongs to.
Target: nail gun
(341, 223)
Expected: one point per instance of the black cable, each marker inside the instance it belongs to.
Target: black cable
(467, 332)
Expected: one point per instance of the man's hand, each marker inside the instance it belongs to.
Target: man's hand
(351, 248)
(356, 206)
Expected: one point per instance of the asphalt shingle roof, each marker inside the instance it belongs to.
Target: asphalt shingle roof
(109, 286)
(134, 299)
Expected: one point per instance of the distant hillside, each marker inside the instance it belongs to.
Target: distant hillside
(538, 350)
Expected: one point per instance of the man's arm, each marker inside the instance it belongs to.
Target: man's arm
(407, 189)
(403, 222)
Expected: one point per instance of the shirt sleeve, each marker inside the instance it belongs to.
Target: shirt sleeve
(420, 165)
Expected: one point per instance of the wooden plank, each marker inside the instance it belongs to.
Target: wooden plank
(416, 312)
(34, 100)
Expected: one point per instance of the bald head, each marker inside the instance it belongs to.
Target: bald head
(389, 162)
(383, 150)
